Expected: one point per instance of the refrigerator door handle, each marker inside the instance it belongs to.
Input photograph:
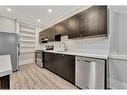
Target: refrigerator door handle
(18, 49)
(18, 52)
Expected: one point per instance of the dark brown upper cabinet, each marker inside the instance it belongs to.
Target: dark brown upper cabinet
(61, 28)
(51, 34)
(72, 25)
(90, 22)
(47, 34)
(93, 21)
(42, 36)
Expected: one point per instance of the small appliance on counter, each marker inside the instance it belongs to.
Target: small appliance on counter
(49, 47)
(39, 58)
(44, 40)
(61, 47)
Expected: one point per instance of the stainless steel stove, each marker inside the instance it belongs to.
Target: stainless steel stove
(39, 58)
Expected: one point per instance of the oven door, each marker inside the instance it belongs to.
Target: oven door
(39, 62)
(39, 55)
(39, 58)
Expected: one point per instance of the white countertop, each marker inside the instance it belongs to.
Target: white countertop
(5, 65)
(100, 56)
(118, 56)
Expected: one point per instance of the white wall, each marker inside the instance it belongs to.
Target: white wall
(118, 47)
(38, 46)
(7, 25)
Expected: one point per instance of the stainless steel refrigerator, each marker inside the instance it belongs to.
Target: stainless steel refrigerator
(9, 44)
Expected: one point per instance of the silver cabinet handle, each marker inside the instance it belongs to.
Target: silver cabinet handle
(87, 61)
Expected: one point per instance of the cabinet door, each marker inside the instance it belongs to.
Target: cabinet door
(49, 60)
(94, 21)
(66, 67)
(62, 65)
(61, 28)
(72, 25)
(42, 35)
(50, 34)
(82, 22)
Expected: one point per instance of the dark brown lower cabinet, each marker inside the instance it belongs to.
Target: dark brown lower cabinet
(5, 82)
(61, 64)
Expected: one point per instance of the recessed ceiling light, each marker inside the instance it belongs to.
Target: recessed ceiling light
(38, 20)
(8, 9)
(49, 10)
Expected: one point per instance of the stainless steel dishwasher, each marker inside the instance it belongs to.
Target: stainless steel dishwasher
(90, 73)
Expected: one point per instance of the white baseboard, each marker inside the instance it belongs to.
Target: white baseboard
(116, 84)
(27, 61)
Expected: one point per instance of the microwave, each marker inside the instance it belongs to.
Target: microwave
(44, 40)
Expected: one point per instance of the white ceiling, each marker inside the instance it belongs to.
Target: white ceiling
(30, 14)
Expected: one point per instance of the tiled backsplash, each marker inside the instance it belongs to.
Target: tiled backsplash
(98, 45)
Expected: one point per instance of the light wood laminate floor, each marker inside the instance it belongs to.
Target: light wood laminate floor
(31, 76)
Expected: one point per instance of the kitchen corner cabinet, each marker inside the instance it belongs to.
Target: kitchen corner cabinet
(61, 64)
